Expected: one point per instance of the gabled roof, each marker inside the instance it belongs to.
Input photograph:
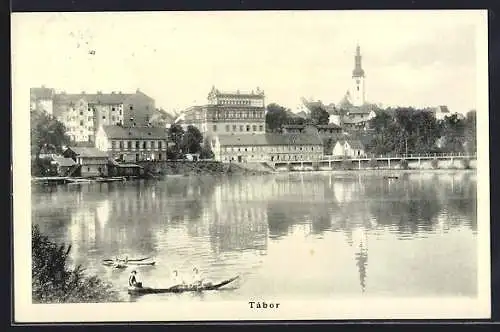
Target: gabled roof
(119, 132)
(270, 139)
(64, 162)
(348, 120)
(88, 152)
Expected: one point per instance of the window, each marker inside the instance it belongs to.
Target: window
(152, 144)
(137, 144)
(131, 107)
(227, 127)
(88, 169)
(104, 117)
(113, 144)
(254, 127)
(81, 122)
(248, 127)
(215, 127)
(144, 144)
(129, 145)
(159, 146)
(89, 118)
(113, 109)
(234, 127)
(81, 112)
(120, 112)
(241, 128)
(261, 128)
(136, 157)
(159, 154)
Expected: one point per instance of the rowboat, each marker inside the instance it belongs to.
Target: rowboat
(128, 260)
(122, 264)
(178, 288)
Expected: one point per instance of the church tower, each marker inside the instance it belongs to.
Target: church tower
(358, 80)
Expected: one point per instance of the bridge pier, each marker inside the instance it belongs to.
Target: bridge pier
(389, 162)
(419, 162)
(359, 164)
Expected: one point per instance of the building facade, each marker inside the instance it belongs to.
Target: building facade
(132, 144)
(351, 148)
(42, 99)
(84, 113)
(269, 147)
(92, 162)
(229, 114)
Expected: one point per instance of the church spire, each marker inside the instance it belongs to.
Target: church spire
(358, 70)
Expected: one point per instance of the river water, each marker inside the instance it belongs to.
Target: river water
(294, 235)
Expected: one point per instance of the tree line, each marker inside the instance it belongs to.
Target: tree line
(392, 130)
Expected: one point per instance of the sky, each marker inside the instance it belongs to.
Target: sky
(417, 58)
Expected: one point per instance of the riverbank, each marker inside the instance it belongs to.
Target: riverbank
(214, 168)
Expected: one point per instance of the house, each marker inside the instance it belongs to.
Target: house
(132, 144)
(92, 162)
(349, 148)
(440, 112)
(124, 169)
(269, 147)
(64, 166)
(324, 131)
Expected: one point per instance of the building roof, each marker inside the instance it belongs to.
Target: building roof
(42, 93)
(258, 94)
(348, 120)
(302, 126)
(88, 152)
(442, 109)
(113, 98)
(120, 132)
(64, 162)
(353, 143)
(270, 139)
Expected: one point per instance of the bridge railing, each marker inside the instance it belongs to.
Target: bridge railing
(402, 156)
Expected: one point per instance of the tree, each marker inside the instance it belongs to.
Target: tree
(276, 116)
(175, 133)
(453, 132)
(46, 133)
(470, 132)
(54, 282)
(319, 115)
(206, 150)
(191, 140)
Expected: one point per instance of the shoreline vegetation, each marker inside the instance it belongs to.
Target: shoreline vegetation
(55, 281)
(215, 168)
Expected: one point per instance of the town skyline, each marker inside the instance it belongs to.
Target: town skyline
(412, 65)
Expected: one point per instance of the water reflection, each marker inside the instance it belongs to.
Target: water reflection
(236, 225)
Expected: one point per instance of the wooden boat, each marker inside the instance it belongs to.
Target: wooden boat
(122, 263)
(178, 288)
(129, 260)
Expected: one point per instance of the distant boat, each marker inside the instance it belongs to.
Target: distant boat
(129, 260)
(122, 264)
(391, 177)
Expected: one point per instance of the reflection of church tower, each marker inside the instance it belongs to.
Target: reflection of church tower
(360, 240)
(358, 79)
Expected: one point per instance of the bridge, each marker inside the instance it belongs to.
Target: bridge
(382, 161)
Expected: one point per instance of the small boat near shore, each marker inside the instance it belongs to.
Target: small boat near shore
(179, 288)
(128, 260)
(122, 264)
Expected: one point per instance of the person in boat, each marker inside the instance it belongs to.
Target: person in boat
(176, 279)
(197, 279)
(132, 280)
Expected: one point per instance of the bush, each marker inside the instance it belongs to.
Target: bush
(466, 163)
(434, 163)
(373, 163)
(54, 282)
(404, 164)
(347, 164)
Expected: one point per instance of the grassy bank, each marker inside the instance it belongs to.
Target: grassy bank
(200, 168)
(53, 281)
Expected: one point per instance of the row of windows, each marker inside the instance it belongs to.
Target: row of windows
(238, 115)
(282, 148)
(241, 128)
(274, 157)
(137, 145)
(234, 102)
